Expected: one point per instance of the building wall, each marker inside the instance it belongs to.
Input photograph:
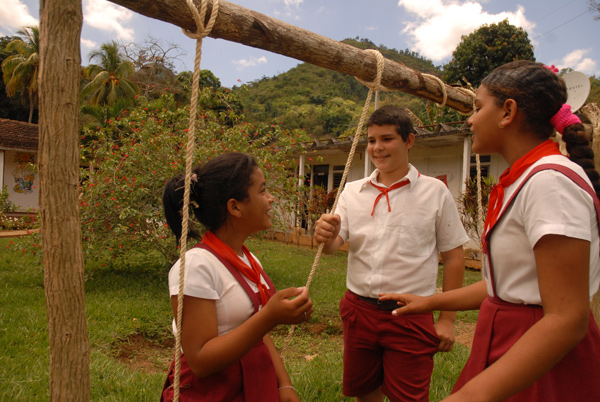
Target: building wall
(444, 163)
(21, 181)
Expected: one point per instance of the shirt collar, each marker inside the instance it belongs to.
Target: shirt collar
(412, 176)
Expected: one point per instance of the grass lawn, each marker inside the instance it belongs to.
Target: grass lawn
(129, 321)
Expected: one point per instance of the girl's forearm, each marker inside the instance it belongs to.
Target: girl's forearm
(466, 298)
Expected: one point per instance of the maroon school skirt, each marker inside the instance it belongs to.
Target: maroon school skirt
(500, 324)
(251, 379)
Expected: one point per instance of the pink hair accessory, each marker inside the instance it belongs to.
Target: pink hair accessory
(564, 118)
(552, 68)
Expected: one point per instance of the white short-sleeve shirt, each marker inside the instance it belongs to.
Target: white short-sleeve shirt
(207, 278)
(398, 251)
(548, 203)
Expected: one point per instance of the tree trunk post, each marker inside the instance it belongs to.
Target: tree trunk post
(60, 62)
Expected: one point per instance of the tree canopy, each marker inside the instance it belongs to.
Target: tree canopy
(595, 6)
(10, 108)
(108, 79)
(325, 102)
(485, 49)
(20, 69)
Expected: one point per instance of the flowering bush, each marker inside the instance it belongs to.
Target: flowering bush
(129, 160)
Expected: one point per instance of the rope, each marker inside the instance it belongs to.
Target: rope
(199, 35)
(373, 87)
(470, 93)
(479, 201)
(443, 86)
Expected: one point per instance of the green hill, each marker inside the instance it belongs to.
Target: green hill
(324, 102)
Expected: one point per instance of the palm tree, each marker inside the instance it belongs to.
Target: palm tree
(108, 79)
(20, 70)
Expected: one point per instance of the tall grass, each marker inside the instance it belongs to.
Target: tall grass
(129, 318)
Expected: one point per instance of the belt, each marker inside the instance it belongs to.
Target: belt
(385, 305)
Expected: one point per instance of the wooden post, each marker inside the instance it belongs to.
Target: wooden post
(238, 24)
(59, 73)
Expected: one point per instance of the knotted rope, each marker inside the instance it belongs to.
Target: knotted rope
(373, 86)
(443, 86)
(201, 33)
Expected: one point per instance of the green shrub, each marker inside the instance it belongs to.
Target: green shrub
(130, 159)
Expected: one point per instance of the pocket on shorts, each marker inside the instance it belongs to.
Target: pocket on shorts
(347, 311)
(424, 327)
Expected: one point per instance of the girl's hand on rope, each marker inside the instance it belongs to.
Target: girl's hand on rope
(289, 306)
(408, 303)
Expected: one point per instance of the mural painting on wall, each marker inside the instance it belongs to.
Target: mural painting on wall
(24, 174)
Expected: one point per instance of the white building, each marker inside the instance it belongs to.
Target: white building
(18, 157)
(444, 152)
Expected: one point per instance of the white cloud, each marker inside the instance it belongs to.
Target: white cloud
(291, 10)
(107, 16)
(438, 25)
(290, 3)
(14, 15)
(578, 62)
(245, 63)
(90, 44)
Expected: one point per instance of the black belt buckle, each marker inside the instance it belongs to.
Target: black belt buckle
(385, 305)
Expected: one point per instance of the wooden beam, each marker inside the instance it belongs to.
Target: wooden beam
(241, 25)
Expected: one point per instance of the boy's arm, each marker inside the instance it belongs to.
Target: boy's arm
(453, 276)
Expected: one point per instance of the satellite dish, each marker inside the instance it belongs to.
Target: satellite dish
(578, 89)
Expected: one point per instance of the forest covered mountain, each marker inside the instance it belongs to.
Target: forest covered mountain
(325, 102)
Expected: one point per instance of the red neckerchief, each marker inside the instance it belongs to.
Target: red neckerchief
(385, 191)
(507, 178)
(253, 273)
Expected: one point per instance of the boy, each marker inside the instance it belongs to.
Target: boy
(396, 222)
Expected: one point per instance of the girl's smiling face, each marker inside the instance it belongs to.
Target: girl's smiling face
(258, 205)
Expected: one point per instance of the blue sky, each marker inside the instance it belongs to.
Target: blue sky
(563, 32)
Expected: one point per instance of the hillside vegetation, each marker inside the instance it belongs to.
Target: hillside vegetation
(324, 102)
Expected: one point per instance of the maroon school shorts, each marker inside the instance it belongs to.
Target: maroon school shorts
(382, 350)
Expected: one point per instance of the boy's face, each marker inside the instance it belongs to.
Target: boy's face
(389, 152)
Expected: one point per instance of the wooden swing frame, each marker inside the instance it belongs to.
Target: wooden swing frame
(59, 71)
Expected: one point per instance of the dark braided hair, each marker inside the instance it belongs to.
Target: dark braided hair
(216, 182)
(539, 94)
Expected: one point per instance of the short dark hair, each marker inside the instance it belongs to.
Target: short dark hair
(395, 116)
(216, 182)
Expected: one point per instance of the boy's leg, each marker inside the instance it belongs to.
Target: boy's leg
(363, 368)
(410, 344)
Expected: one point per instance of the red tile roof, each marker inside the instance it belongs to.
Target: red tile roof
(18, 135)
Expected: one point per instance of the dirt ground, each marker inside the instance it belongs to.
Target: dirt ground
(142, 354)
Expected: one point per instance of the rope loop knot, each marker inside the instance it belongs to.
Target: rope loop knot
(199, 17)
(375, 85)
